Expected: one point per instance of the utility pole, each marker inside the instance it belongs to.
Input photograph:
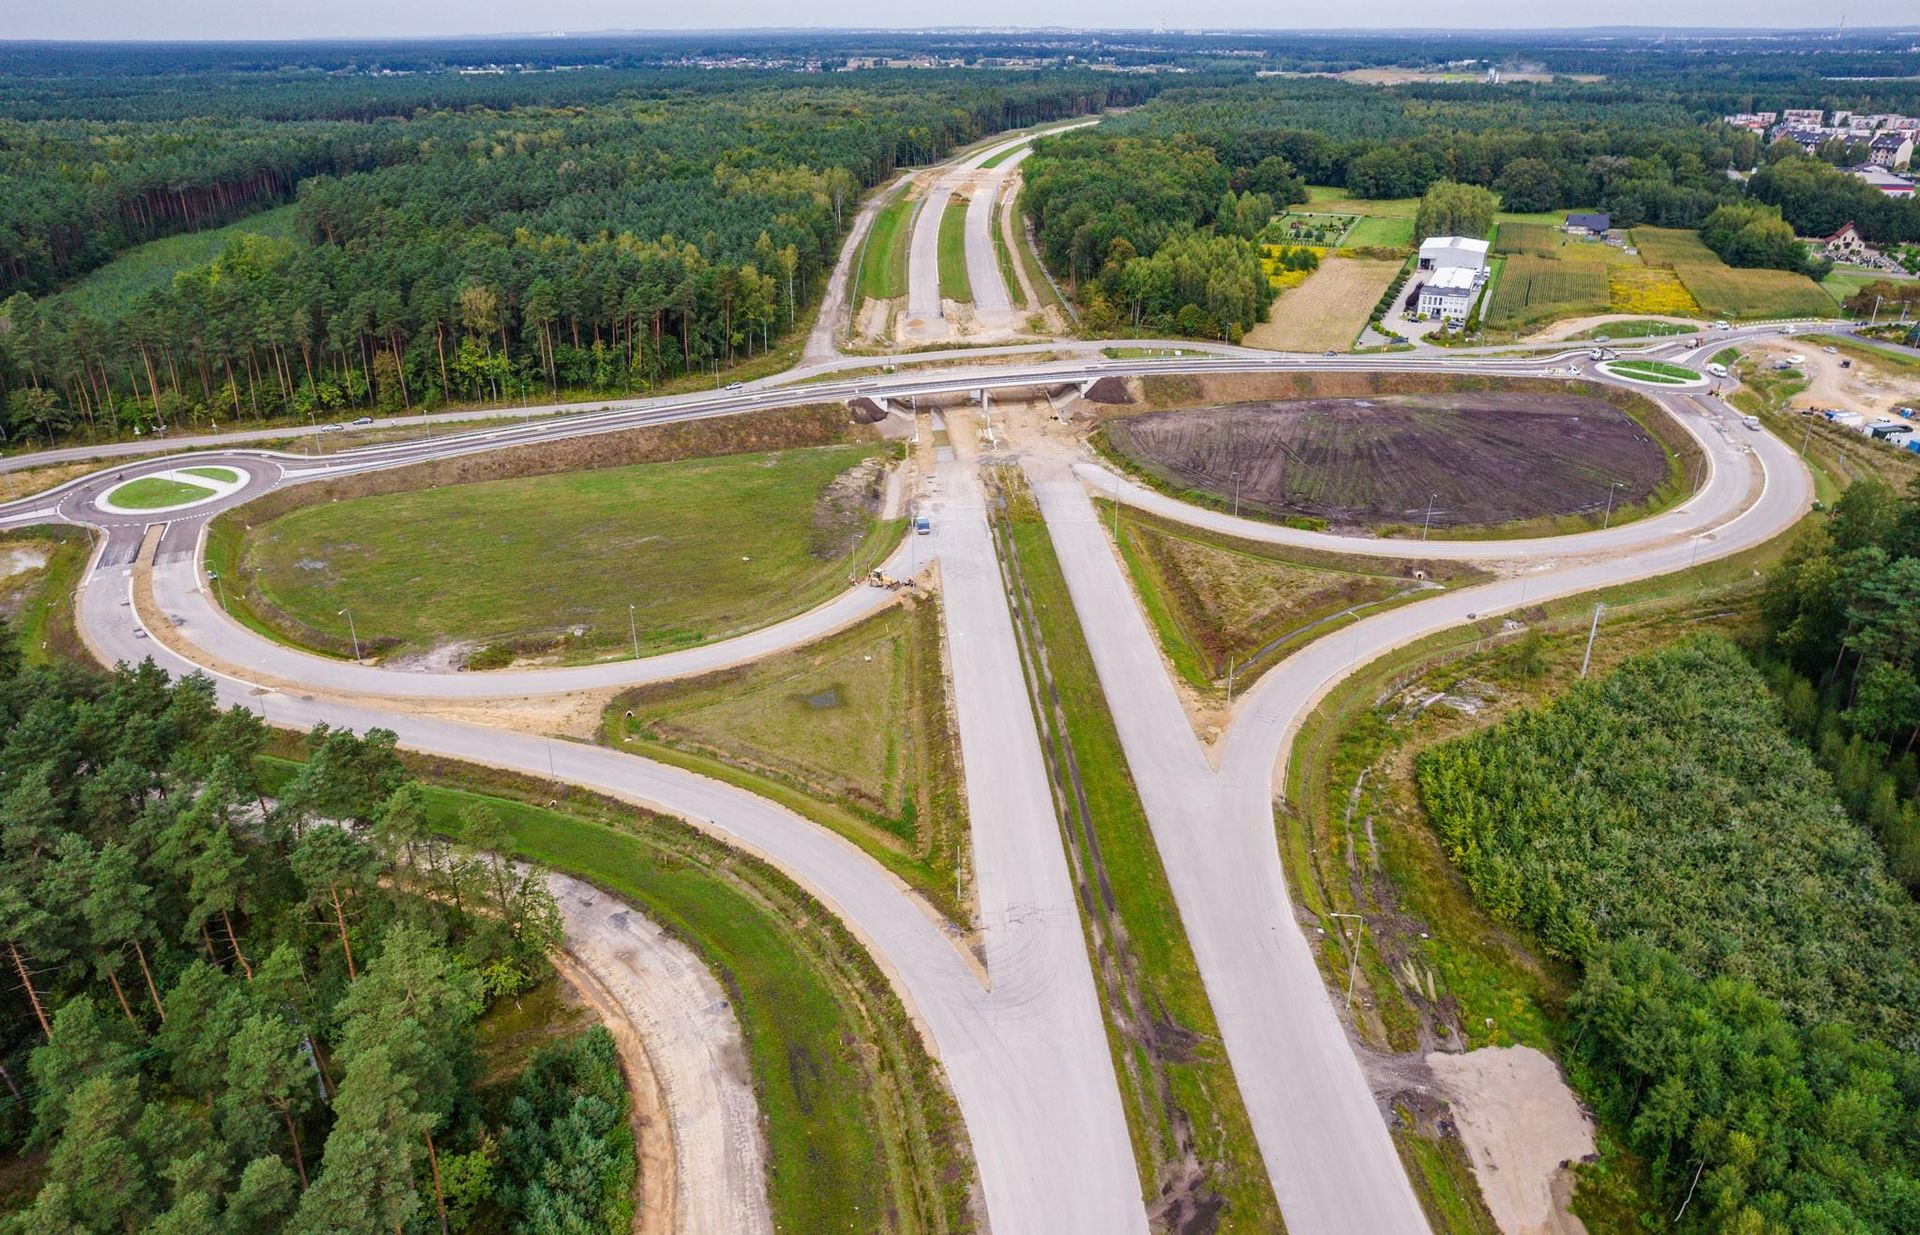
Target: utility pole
(352, 631)
(1591, 632)
(1428, 521)
(633, 624)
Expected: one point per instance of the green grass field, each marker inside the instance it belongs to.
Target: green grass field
(1198, 1078)
(851, 732)
(1843, 281)
(701, 550)
(225, 475)
(156, 493)
(1635, 330)
(855, 1117)
(1380, 233)
(883, 263)
(1534, 289)
(954, 283)
(38, 601)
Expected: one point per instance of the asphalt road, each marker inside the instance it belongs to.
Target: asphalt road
(1027, 1056)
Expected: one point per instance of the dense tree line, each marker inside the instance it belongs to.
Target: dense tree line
(1842, 624)
(1159, 233)
(591, 249)
(1749, 999)
(252, 1012)
(1819, 199)
(1748, 234)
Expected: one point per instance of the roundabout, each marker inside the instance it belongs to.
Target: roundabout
(172, 490)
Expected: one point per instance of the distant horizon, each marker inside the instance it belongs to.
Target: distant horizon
(56, 26)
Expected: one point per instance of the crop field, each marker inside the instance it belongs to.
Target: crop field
(1726, 292)
(1538, 289)
(1670, 246)
(883, 266)
(1539, 239)
(1483, 458)
(1648, 289)
(700, 550)
(1328, 310)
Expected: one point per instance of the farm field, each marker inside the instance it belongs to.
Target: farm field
(1482, 458)
(153, 264)
(1329, 310)
(1532, 290)
(954, 283)
(1724, 291)
(1648, 289)
(883, 266)
(700, 549)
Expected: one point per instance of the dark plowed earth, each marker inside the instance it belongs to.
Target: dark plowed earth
(1483, 457)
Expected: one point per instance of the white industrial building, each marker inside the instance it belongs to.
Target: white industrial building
(1449, 292)
(1452, 253)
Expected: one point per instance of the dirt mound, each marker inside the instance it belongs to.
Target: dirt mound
(1479, 457)
(866, 412)
(1109, 390)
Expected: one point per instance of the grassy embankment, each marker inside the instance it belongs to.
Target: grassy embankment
(1644, 328)
(1176, 1082)
(701, 548)
(38, 602)
(1004, 256)
(861, 1132)
(1220, 602)
(1174, 393)
(883, 260)
(954, 283)
(852, 732)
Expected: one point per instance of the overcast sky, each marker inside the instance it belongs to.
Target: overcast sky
(299, 19)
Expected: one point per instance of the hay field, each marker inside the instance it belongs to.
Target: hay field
(1328, 310)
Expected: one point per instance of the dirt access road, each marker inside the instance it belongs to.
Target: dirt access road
(705, 1165)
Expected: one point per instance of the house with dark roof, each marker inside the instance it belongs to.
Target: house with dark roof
(1588, 224)
(1891, 150)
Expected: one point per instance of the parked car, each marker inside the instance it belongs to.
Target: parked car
(1830, 350)
(1796, 359)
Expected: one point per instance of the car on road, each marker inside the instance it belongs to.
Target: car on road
(1721, 326)
(733, 385)
(1329, 352)
(363, 420)
(332, 428)
(1603, 338)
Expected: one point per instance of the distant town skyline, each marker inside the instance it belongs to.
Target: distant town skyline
(105, 20)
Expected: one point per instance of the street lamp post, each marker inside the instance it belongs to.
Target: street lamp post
(352, 630)
(1428, 521)
(1608, 521)
(633, 625)
(1353, 968)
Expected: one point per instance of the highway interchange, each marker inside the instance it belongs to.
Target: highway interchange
(1021, 1039)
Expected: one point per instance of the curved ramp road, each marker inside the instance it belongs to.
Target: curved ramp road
(1333, 1164)
(1025, 1052)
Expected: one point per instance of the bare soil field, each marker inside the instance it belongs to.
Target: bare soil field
(1480, 457)
(1328, 310)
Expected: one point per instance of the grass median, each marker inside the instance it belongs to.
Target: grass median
(861, 1132)
(954, 282)
(883, 261)
(1192, 1139)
